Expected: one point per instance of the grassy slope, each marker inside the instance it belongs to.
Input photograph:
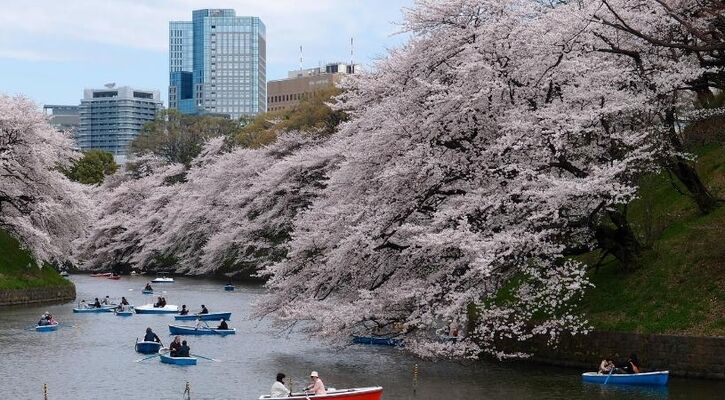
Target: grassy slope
(680, 286)
(19, 270)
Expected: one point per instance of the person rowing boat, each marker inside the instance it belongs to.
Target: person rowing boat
(175, 346)
(316, 386)
(184, 310)
(150, 336)
(223, 325)
(203, 310)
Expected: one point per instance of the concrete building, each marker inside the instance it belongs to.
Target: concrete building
(217, 64)
(63, 117)
(111, 118)
(283, 94)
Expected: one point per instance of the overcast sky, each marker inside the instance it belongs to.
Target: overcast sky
(51, 49)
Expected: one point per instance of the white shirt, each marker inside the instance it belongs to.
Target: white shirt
(279, 390)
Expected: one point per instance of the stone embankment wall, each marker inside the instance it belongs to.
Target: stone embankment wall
(48, 294)
(686, 356)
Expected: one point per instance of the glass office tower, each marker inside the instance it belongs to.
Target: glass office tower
(217, 64)
(111, 118)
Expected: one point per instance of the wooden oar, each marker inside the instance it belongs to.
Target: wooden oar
(155, 355)
(206, 358)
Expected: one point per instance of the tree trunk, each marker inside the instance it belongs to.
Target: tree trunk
(689, 177)
(686, 173)
(620, 240)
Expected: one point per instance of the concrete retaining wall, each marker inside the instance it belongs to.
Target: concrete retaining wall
(687, 356)
(50, 294)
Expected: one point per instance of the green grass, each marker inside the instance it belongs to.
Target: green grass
(19, 270)
(679, 288)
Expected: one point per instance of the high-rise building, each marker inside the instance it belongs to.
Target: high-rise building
(63, 117)
(283, 94)
(111, 118)
(217, 64)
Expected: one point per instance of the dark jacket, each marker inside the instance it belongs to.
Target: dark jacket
(151, 337)
(183, 351)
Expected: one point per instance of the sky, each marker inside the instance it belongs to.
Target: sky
(50, 50)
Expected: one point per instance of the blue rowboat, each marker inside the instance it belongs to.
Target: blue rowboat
(178, 360)
(229, 288)
(377, 340)
(46, 328)
(148, 347)
(658, 378)
(145, 291)
(192, 330)
(217, 316)
(163, 279)
(126, 313)
(94, 309)
(150, 309)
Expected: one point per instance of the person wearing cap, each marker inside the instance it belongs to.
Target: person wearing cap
(316, 387)
(278, 387)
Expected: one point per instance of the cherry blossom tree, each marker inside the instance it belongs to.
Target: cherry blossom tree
(499, 141)
(38, 205)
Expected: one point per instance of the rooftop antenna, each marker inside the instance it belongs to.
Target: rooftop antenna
(352, 51)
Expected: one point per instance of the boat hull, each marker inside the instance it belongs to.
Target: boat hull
(94, 309)
(659, 378)
(150, 309)
(101, 274)
(163, 280)
(192, 330)
(115, 278)
(369, 393)
(177, 360)
(147, 291)
(204, 317)
(46, 328)
(148, 347)
(229, 288)
(379, 341)
(124, 313)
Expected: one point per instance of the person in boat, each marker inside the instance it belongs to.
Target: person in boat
(151, 336)
(148, 286)
(175, 346)
(162, 302)
(223, 325)
(83, 304)
(607, 366)
(184, 310)
(158, 302)
(43, 320)
(50, 319)
(184, 350)
(632, 365)
(278, 387)
(106, 301)
(203, 310)
(201, 324)
(124, 301)
(97, 304)
(316, 386)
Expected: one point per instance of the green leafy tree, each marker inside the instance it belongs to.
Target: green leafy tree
(312, 115)
(92, 168)
(178, 138)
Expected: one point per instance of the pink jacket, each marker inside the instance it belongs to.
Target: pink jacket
(318, 387)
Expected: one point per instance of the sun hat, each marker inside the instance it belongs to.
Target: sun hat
(314, 373)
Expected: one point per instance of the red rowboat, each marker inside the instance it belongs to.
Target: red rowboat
(102, 274)
(366, 393)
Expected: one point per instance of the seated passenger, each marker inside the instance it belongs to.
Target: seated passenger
(606, 366)
(278, 387)
(223, 325)
(148, 286)
(97, 304)
(183, 350)
(316, 386)
(203, 310)
(124, 301)
(184, 310)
